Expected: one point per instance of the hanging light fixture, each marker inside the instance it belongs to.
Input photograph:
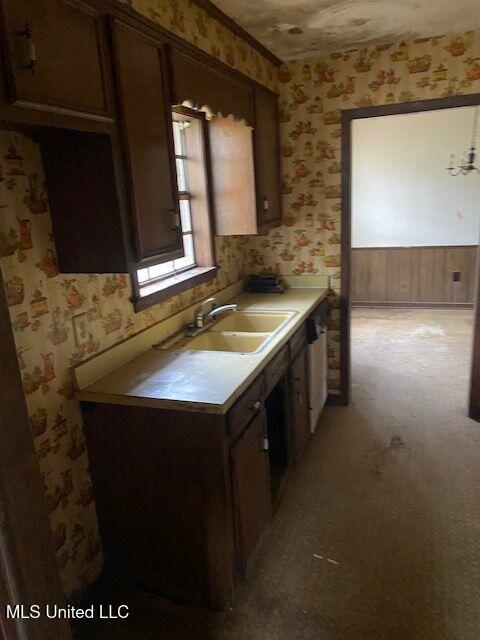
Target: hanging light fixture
(467, 166)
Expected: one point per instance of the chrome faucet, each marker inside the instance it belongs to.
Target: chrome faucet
(211, 315)
(201, 319)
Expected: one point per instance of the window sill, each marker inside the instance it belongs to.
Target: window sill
(173, 286)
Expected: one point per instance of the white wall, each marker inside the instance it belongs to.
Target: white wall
(402, 195)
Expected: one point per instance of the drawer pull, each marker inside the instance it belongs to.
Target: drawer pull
(254, 408)
(266, 444)
(32, 53)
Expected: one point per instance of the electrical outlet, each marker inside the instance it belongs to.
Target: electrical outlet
(456, 276)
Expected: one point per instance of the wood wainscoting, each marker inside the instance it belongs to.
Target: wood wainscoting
(413, 276)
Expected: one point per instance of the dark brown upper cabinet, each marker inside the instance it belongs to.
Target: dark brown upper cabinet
(267, 160)
(96, 86)
(55, 58)
(114, 197)
(203, 84)
(146, 125)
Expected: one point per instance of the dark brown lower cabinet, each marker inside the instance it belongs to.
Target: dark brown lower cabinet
(299, 404)
(251, 491)
(184, 499)
(163, 497)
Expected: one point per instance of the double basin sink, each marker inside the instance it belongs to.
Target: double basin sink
(239, 332)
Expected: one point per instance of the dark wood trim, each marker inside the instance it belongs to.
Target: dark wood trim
(233, 26)
(413, 305)
(413, 274)
(346, 243)
(190, 281)
(28, 572)
(210, 195)
(449, 102)
(416, 106)
(474, 400)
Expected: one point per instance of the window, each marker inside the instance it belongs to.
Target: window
(163, 270)
(165, 278)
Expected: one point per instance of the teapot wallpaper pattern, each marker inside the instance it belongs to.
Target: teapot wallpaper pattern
(313, 92)
(42, 303)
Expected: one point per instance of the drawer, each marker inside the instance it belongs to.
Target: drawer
(297, 341)
(246, 407)
(276, 368)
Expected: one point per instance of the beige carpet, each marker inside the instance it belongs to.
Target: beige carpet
(378, 536)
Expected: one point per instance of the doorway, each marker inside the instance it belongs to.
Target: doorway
(349, 118)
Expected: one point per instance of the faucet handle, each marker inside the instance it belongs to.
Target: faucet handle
(202, 304)
(199, 315)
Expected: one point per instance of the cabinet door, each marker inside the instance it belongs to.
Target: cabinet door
(146, 122)
(300, 406)
(267, 159)
(251, 489)
(54, 55)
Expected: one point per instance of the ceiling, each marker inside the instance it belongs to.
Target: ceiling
(333, 25)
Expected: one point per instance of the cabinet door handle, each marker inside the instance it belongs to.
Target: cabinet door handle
(297, 389)
(177, 221)
(255, 407)
(266, 444)
(32, 52)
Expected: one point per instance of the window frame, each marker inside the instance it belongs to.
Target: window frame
(201, 212)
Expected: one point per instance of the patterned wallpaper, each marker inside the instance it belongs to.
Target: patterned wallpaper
(43, 302)
(313, 92)
(194, 25)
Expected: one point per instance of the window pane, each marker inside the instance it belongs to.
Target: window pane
(161, 269)
(189, 258)
(142, 275)
(181, 175)
(178, 139)
(185, 215)
(151, 274)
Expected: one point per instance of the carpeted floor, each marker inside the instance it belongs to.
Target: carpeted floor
(378, 535)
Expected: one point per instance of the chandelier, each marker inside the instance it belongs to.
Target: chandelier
(467, 166)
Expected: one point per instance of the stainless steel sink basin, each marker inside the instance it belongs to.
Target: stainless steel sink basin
(253, 321)
(226, 341)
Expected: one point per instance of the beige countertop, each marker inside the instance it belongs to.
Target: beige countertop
(202, 381)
